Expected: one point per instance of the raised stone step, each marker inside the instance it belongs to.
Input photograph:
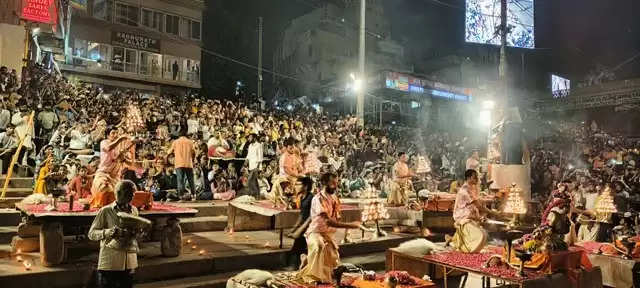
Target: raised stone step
(210, 281)
(374, 262)
(9, 217)
(18, 182)
(18, 192)
(6, 233)
(10, 202)
(203, 224)
(206, 208)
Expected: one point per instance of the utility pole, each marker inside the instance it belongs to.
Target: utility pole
(503, 97)
(363, 78)
(259, 57)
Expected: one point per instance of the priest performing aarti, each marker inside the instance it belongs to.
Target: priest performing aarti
(468, 215)
(116, 153)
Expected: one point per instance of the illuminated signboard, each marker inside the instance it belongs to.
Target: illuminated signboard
(43, 11)
(398, 81)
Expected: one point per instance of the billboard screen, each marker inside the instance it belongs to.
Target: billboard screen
(560, 87)
(483, 18)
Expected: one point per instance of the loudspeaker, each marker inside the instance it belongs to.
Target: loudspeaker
(512, 144)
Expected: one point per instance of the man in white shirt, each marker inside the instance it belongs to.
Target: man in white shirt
(8, 146)
(23, 130)
(5, 116)
(118, 257)
(47, 119)
(254, 159)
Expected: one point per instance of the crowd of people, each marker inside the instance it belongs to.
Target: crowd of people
(82, 138)
(583, 160)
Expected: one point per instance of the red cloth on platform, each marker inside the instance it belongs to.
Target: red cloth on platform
(63, 208)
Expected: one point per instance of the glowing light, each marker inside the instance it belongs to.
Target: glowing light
(27, 265)
(19, 258)
(194, 247)
(353, 76)
(357, 85)
(488, 105)
(202, 252)
(289, 107)
(485, 118)
(188, 241)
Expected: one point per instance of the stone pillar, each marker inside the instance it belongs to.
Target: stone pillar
(51, 244)
(171, 242)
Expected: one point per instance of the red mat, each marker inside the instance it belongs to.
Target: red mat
(475, 261)
(63, 209)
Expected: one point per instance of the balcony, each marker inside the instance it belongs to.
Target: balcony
(151, 73)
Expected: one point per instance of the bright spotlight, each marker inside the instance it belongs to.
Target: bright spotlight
(357, 85)
(353, 76)
(488, 105)
(485, 118)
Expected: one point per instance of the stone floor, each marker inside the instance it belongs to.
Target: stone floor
(221, 253)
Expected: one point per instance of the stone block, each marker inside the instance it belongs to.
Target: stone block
(25, 245)
(28, 230)
(51, 244)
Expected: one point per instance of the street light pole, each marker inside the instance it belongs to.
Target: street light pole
(361, 92)
(259, 58)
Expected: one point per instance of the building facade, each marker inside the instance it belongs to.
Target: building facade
(150, 45)
(321, 48)
(12, 35)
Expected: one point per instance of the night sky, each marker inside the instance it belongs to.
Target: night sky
(577, 34)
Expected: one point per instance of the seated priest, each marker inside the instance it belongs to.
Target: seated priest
(468, 214)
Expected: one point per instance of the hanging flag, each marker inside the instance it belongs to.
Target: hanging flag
(43, 11)
(79, 4)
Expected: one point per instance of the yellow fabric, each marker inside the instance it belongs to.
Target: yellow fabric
(470, 237)
(41, 183)
(399, 193)
(323, 257)
(453, 189)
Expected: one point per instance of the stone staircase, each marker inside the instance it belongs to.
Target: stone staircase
(19, 187)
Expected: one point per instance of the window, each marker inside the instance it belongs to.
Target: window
(103, 9)
(172, 24)
(99, 53)
(127, 14)
(117, 62)
(147, 18)
(131, 61)
(152, 19)
(150, 64)
(190, 29)
(158, 21)
(171, 67)
(195, 30)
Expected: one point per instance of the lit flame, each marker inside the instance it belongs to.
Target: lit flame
(189, 241)
(202, 252)
(19, 258)
(27, 265)
(194, 247)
